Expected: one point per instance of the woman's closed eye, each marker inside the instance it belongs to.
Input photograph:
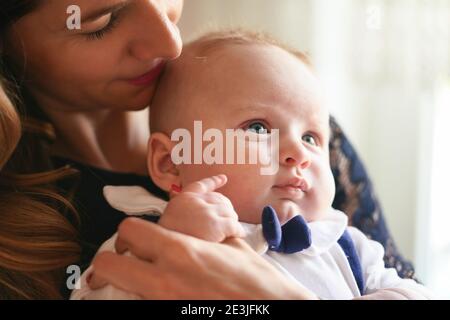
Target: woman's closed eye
(110, 21)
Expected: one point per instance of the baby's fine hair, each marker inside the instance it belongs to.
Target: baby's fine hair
(219, 39)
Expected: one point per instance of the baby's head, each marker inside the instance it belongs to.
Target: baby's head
(238, 80)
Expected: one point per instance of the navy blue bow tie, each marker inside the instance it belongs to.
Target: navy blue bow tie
(292, 237)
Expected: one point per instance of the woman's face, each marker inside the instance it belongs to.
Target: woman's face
(112, 62)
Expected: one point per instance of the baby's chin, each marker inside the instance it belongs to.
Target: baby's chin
(287, 209)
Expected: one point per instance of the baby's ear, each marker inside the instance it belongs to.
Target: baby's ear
(162, 170)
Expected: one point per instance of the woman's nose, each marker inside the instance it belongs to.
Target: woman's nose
(295, 154)
(158, 35)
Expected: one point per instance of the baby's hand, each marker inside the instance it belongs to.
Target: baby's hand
(200, 212)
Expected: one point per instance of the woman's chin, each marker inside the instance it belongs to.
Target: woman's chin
(140, 102)
(132, 100)
(137, 107)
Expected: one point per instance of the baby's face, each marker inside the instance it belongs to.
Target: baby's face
(254, 87)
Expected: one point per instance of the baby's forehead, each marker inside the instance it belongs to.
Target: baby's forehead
(243, 72)
(205, 55)
(221, 68)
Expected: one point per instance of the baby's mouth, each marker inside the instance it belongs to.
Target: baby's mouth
(295, 184)
(292, 189)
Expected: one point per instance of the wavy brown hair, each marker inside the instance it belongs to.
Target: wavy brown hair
(38, 224)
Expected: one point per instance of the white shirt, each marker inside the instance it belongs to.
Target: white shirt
(323, 268)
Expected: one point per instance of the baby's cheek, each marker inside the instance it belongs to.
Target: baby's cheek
(326, 188)
(192, 173)
(331, 186)
(247, 191)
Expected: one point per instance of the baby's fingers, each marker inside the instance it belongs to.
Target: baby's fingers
(207, 185)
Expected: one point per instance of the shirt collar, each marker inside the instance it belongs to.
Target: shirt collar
(134, 201)
(137, 201)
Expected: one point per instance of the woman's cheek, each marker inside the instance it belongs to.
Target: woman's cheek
(98, 68)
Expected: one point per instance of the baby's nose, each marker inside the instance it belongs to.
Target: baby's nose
(296, 155)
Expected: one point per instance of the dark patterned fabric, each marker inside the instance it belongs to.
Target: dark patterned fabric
(355, 197)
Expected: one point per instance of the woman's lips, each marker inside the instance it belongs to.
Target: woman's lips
(148, 77)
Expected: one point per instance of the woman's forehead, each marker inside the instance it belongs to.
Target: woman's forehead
(52, 16)
(58, 10)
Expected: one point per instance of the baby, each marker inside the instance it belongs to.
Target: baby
(270, 96)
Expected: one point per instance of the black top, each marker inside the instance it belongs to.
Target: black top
(99, 221)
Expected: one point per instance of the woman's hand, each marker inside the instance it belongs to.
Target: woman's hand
(170, 265)
(201, 212)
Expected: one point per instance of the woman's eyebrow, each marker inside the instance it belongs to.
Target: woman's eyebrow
(94, 15)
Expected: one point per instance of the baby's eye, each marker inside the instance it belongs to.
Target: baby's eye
(258, 127)
(308, 138)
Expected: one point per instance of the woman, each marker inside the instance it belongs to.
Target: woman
(93, 85)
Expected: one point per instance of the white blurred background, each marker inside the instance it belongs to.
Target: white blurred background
(386, 67)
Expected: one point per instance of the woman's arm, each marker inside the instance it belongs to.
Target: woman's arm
(176, 266)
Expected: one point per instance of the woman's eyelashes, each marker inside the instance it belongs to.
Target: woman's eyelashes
(99, 34)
